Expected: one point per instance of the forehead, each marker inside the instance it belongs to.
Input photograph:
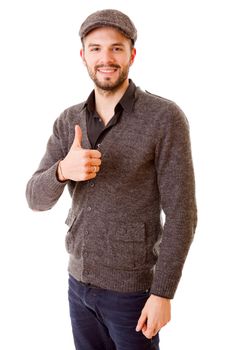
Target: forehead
(105, 35)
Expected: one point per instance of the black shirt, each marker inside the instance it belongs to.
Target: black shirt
(96, 130)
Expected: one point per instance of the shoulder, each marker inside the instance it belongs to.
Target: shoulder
(146, 99)
(71, 114)
(74, 111)
(157, 107)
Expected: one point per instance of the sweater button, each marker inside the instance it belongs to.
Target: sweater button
(92, 184)
(88, 208)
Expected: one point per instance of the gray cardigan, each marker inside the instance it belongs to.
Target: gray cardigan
(115, 238)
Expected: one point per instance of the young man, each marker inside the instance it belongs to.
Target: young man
(125, 156)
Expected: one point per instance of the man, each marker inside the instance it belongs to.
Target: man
(125, 156)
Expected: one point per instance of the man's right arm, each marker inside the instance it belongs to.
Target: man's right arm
(47, 184)
(44, 189)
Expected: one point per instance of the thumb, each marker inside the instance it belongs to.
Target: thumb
(77, 143)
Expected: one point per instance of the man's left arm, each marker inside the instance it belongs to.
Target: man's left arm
(175, 179)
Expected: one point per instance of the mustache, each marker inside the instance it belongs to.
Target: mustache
(107, 66)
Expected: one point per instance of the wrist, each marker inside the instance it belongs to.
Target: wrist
(60, 173)
(158, 297)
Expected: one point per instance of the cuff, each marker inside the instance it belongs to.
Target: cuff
(164, 286)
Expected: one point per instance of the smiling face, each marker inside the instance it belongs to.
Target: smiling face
(107, 54)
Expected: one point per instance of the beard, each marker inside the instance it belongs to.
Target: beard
(107, 84)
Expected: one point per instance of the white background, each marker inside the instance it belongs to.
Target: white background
(184, 54)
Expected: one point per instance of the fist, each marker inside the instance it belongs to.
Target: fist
(80, 164)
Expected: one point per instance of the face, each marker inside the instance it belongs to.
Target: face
(107, 55)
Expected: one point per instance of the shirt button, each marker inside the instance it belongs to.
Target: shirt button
(92, 184)
(88, 208)
(98, 145)
(87, 232)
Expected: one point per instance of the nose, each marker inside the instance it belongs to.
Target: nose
(107, 57)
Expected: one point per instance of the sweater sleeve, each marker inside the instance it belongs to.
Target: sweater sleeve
(43, 189)
(175, 178)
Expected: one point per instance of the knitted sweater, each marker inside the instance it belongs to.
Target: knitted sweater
(116, 239)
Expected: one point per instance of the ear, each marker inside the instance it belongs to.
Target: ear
(133, 54)
(82, 55)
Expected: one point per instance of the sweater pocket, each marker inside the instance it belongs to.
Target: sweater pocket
(127, 246)
(69, 239)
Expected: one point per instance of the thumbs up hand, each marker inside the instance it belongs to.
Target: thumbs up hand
(79, 164)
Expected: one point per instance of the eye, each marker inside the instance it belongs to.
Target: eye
(117, 49)
(95, 49)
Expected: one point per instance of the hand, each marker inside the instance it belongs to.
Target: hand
(155, 314)
(79, 164)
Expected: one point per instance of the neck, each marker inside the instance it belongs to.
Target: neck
(106, 101)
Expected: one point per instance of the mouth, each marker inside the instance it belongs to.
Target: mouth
(107, 70)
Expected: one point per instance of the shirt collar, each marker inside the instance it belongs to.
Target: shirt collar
(126, 102)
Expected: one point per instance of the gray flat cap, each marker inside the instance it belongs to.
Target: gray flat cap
(109, 18)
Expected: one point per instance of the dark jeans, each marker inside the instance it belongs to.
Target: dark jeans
(106, 320)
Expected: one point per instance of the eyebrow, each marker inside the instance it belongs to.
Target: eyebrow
(115, 44)
(118, 44)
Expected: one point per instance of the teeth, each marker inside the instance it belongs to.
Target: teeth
(107, 70)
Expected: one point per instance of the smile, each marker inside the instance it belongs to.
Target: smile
(107, 70)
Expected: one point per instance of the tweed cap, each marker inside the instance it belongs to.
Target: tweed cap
(109, 18)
